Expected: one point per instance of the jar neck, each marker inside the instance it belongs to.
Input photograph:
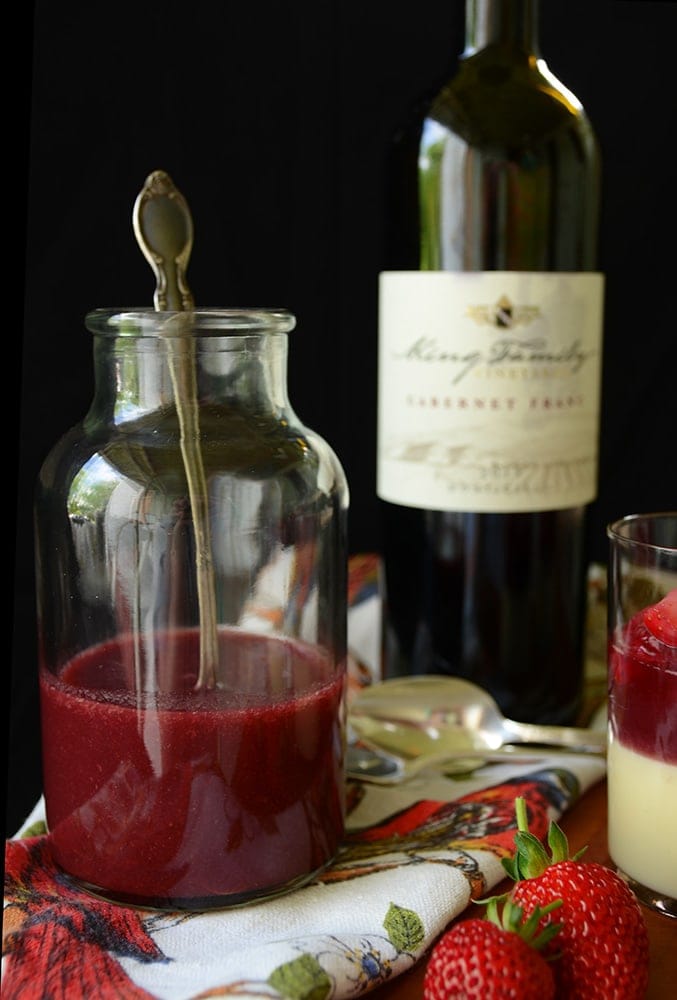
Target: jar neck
(138, 376)
(511, 24)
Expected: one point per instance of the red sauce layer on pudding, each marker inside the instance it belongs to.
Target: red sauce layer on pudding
(160, 796)
(643, 686)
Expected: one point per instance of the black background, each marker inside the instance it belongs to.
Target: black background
(274, 119)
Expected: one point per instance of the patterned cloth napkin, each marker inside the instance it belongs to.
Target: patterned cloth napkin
(412, 858)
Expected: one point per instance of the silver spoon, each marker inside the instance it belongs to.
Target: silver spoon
(374, 764)
(163, 227)
(423, 714)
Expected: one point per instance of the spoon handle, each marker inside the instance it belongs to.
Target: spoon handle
(163, 226)
(378, 766)
(576, 740)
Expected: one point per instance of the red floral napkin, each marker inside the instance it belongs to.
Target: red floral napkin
(412, 858)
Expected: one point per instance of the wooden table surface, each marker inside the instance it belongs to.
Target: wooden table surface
(585, 823)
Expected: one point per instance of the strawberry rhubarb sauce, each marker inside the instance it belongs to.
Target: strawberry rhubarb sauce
(194, 797)
(642, 757)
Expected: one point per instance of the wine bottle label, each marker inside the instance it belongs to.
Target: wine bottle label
(488, 389)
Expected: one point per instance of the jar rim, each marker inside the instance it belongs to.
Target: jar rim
(218, 322)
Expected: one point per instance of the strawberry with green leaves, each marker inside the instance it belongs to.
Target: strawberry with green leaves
(493, 958)
(603, 942)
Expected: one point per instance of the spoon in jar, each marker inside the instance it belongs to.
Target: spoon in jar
(163, 227)
(424, 714)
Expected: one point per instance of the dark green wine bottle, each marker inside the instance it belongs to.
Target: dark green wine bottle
(489, 374)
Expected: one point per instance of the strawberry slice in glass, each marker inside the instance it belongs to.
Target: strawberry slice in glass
(661, 619)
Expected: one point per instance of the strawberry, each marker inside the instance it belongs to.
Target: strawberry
(492, 957)
(603, 942)
(661, 619)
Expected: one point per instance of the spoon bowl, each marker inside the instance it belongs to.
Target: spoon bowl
(429, 713)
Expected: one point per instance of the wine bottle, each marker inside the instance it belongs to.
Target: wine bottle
(490, 322)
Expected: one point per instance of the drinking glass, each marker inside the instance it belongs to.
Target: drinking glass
(642, 740)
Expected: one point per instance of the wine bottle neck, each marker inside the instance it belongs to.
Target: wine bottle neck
(509, 23)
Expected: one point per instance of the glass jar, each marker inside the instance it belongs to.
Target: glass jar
(191, 583)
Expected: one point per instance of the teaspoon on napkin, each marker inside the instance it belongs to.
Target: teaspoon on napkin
(376, 765)
(426, 714)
